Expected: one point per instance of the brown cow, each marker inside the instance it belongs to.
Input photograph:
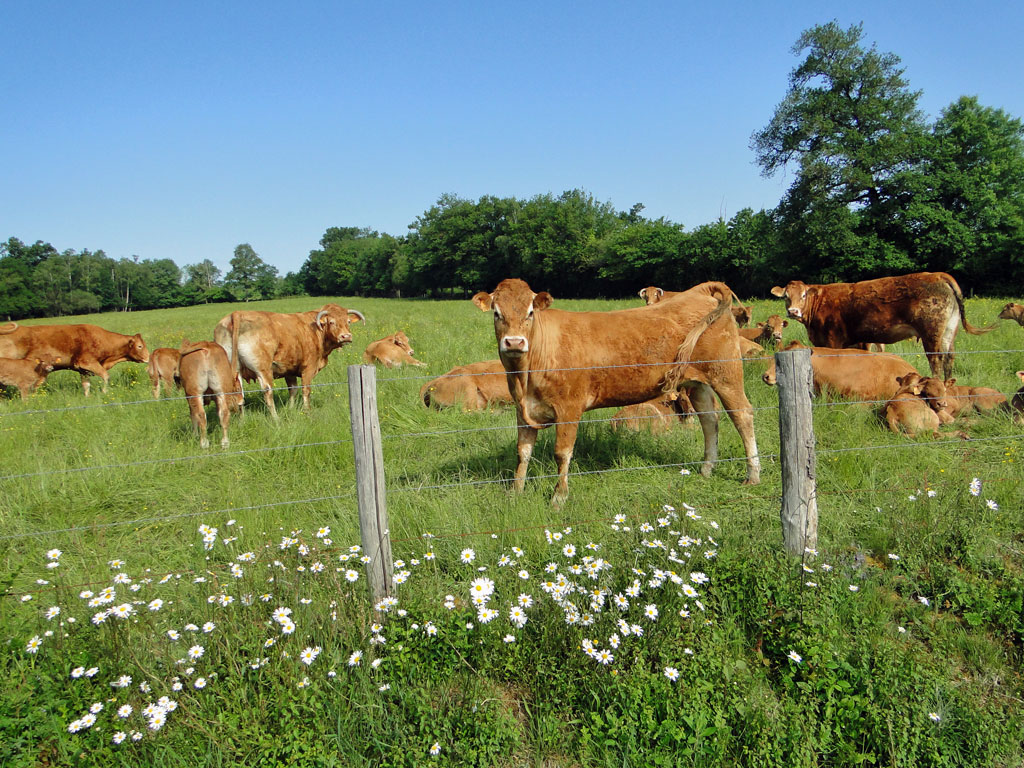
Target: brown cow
(26, 375)
(750, 348)
(274, 345)
(768, 332)
(205, 373)
(851, 373)
(88, 349)
(392, 352)
(475, 387)
(658, 415)
(932, 391)
(917, 406)
(962, 400)
(652, 294)
(1013, 312)
(163, 362)
(1017, 403)
(561, 364)
(925, 304)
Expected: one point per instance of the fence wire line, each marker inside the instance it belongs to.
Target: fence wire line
(957, 441)
(170, 460)
(184, 515)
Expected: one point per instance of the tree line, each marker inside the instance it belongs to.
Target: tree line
(877, 190)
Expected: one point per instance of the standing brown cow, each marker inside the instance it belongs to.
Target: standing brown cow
(925, 304)
(163, 363)
(206, 374)
(88, 349)
(561, 364)
(392, 351)
(274, 345)
(26, 375)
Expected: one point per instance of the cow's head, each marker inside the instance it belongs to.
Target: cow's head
(795, 294)
(402, 341)
(43, 367)
(775, 324)
(136, 349)
(651, 294)
(333, 321)
(1012, 312)
(930, 389)
(514, 305)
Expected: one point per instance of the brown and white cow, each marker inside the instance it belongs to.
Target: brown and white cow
(206, 375)
(1013, 311)
(277, 345)
(561, 364)
(659, 415)
(163, 362)
(962, 400)
(924, 304)
(768, 332)
(392, 351)
(851, 373)
(474, 386)
(26, 375)
(652, 294)
(87, 349)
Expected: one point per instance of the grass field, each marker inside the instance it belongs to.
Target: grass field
(908, 626)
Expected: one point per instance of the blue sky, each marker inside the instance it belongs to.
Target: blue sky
(179, 130)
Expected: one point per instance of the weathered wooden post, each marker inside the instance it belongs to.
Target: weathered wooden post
(799, 513)
(373, 513)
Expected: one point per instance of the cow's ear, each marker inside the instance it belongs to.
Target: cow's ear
(1020, 375)
(483, 300)
(355, 316)
(643, 294)
(778, 291)
(542, 301)
(950, 382)
(917, 389)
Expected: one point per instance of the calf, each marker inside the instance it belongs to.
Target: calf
(917, 406)
(392, 352)
(206, 374)
(768, 332)
(657, 415)
(1017, 403)
(163, 363)
(652, 295)
(475, 387)
(962, 400)
(851, 373)
(26, 375)
(1013, 312)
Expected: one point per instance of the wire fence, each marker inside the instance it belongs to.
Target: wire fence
(423, 487)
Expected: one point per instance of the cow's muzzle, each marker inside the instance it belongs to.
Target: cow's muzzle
(795, 312)
(514, 345)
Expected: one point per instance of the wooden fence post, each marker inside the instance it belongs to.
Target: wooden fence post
(799, 513)
(373, 513)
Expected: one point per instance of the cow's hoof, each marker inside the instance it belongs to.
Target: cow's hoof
(225, 443)
(752, 481)
(204, 443)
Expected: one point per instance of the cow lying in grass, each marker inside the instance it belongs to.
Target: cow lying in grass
(919, 405)
(656, 416)
(392, 352)
(475, 387)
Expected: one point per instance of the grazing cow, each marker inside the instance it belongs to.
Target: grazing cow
(1017, 403)
(163, 362)
(768, 332)
(392, 352)
(561, 364)
(917, 406)
(277, 345)
(26, 375)
(1013, 312)
(658, 415)
(851, 373)
(925, 304)
(475, 387)
(962, 400)
(88, 349)
(205, 373)
(652, 295)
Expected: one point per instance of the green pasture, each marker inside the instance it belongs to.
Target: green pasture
(919, 665)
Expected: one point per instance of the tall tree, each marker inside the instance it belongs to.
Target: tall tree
(849, 124)
(250, 277)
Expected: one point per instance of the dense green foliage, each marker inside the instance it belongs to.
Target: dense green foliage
(121, 477)
(877, 191)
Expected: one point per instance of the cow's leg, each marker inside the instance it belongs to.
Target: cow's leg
(87, 365)
(267, 385)
(224, 414)
(940, 358)
(526, 438)
(307, 387)
(734, 400)
(703, 401)
(154, 379)
(198, 414)
(86, 384)
(565, 439)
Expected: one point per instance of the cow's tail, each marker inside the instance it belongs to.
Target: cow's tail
(724, 295)
(235, 357)
(186, 348)
(425, 393)
(960, 305)
(4, 329)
